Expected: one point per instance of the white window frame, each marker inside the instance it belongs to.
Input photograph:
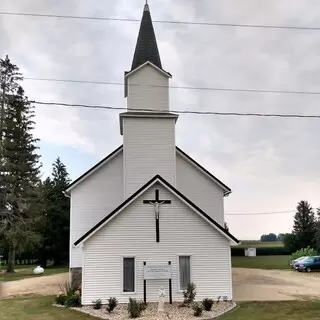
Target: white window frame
(135, 274)
(191, 269)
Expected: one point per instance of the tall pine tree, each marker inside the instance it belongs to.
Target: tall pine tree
(304, 226)
(317, 236)
(62, 209)
(55, 225)
(19, 165)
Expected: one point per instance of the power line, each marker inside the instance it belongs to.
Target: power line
(196, 23)
(259, 213)
(176, 87)
(178, 111)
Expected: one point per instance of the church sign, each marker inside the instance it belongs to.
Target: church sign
(157, 272)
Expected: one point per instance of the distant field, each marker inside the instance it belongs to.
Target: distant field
(261, 262)
(256, 244)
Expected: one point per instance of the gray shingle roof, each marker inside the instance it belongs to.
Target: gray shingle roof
(146, 48)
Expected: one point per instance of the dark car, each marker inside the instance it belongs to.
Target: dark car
(309, 264)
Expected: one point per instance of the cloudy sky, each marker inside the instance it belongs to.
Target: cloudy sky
(269, 163)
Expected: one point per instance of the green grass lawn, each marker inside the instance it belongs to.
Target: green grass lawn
(37, 309)
(23, 272)
(41, 308)
(261, 262)
(293, 310)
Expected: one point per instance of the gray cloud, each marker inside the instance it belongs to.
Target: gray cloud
(269, 163)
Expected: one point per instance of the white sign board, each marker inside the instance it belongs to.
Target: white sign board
(157, 272)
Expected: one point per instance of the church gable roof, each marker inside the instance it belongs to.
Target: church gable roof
(146, 47)
(133, 197)
(113, 154)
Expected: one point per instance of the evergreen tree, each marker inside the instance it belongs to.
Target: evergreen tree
(44, 224)
(19, 166)
(62, 211)
(317, 234)
(55, 216)
(304, 226)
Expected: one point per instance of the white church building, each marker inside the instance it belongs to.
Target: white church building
(148, 215)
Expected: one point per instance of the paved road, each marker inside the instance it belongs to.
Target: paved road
(248, 285)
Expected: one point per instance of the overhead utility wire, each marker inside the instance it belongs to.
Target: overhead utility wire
(258, 213)
(175, 87)
(178, 111)
(196, 23)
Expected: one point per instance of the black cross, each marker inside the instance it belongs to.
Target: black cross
(156, 204)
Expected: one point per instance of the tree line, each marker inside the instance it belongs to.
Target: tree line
(272, 237)
(34, 213)
(305, 231)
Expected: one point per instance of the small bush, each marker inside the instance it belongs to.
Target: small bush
(142, 305)
(303, 252)
(61, 299)
(189, 294)
(135, 308)
(68, 289)
(112, 303)
(73, 300)
(197, 309)
(97, 304)
(207, 304)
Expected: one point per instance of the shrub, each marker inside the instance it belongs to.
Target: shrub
(303, 252)
(133, 308)
(61, 299)
(189, 294)
(207, 304)
(73, 300)
(197, 309)
(112, 303)
(97, 304)
(68, 289)
(142, 305)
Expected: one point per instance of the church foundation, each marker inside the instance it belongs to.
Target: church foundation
(76, 277)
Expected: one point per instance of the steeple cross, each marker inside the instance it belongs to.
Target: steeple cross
(156, 204)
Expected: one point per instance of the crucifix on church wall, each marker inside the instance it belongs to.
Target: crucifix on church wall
(156, 203)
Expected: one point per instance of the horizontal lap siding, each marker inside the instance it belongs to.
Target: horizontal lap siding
(132, 232)
(149, 149)
(200, 189)
(92, 200)
(149, 90)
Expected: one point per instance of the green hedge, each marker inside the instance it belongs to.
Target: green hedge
(261, 251)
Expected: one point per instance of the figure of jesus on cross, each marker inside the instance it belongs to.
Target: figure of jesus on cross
(156, 204)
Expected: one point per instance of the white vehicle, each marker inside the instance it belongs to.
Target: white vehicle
(294, 262)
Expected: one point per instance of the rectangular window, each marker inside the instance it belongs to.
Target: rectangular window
(184, 271)
(128, 275)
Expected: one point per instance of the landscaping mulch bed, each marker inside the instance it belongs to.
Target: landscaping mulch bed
(171, 312)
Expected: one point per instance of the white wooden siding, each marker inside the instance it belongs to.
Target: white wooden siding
(148, 89)
(149, 149)
(92, 200)
(132, 233)
(200, 189)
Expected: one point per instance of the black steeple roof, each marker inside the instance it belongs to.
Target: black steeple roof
(146, 48)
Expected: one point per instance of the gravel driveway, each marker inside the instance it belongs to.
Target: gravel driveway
(248, 285)
(272, 285)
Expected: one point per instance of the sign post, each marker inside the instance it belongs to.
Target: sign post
(157, 272)
(170, 285)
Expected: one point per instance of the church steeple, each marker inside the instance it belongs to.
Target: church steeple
(146, 47)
